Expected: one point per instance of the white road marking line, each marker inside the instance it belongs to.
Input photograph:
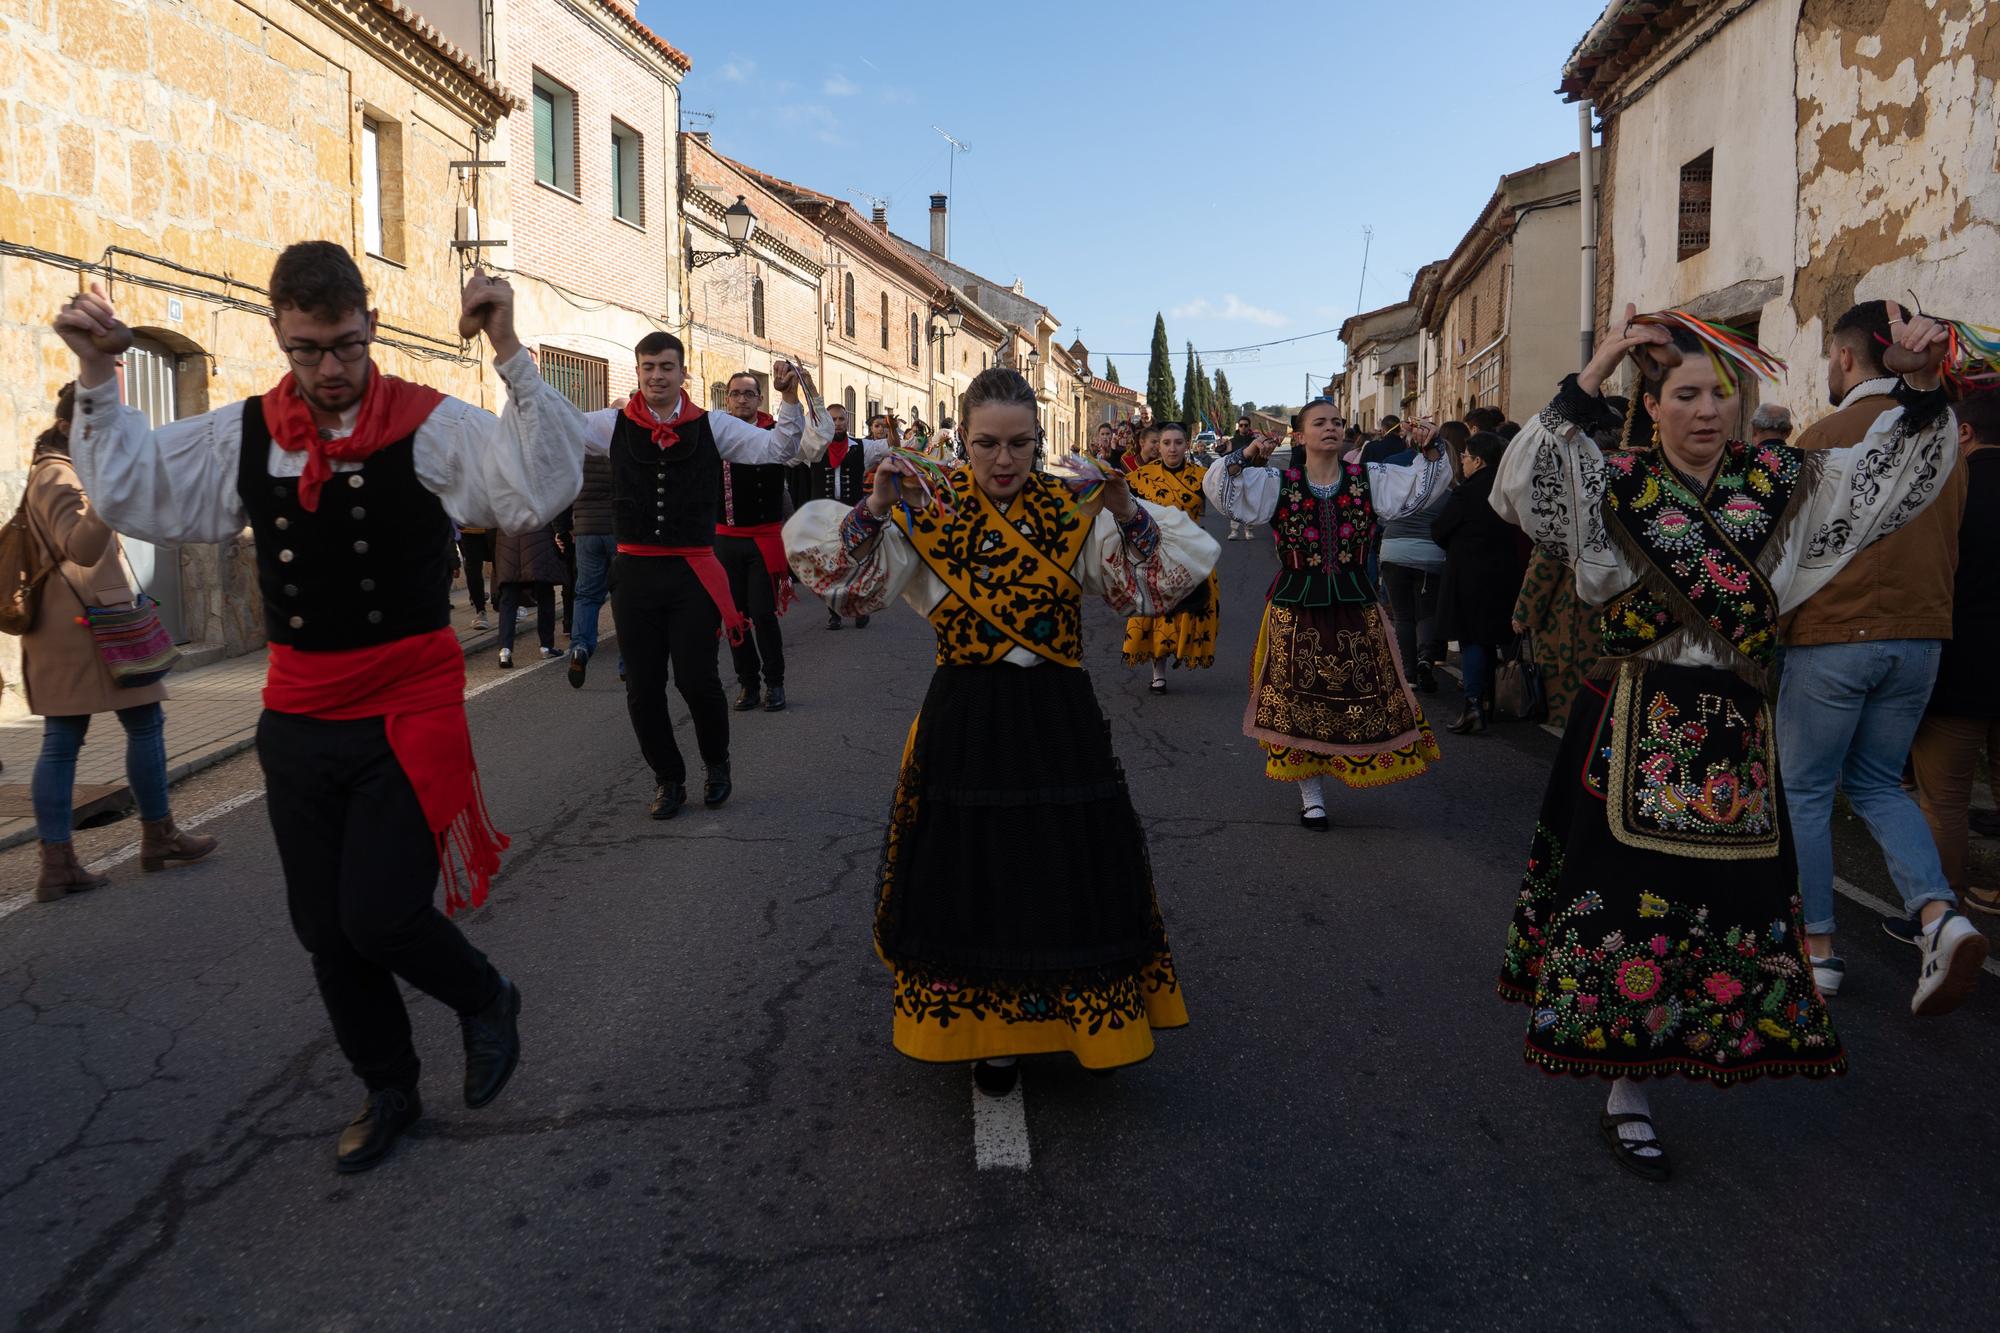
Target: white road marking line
(1893, 911)
(1000, 1130)
(130, 851)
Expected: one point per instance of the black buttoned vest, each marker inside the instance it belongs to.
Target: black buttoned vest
(664, 497)
(372, 564)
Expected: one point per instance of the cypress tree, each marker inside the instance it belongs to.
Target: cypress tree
(1223, 405)
(1160, 375)
(1191, 392)
(1110, 370)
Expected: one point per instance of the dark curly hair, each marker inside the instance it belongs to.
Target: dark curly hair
(318, 278)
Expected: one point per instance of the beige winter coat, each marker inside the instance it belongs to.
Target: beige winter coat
(61, 671)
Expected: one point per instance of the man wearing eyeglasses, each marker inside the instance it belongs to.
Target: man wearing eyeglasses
(349, 480)
(842, 467)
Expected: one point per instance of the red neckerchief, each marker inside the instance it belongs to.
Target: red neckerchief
(836, 450)
(391, 410)
(417, 687)
(666, 434)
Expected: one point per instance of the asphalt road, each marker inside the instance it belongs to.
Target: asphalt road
(709, 1127)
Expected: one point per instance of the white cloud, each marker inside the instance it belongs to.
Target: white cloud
(838, 86)
(1231, 307)
(737, 70)
(811, 119)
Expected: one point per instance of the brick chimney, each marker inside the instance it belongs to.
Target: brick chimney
(940, 231)
(880, 217)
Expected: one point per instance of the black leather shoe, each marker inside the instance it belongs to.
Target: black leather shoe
(370, 1135)
(774, 699)
(1470, 723)
(861, 622)
(579, 663)
(668, 798)
(716, 790)
(747, 699)
(832, 620)
(492, 1045)
(996, 1080)
(1426, 682)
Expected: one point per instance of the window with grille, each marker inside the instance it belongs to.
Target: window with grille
(847, 290)
(915, 342)
(757, 307)
(885, 321)
(584, 380)
(1697, 190)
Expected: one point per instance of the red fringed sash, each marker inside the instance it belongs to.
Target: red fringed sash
(417, 686)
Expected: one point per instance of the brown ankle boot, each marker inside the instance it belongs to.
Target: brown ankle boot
(160, 842)
(62, 873)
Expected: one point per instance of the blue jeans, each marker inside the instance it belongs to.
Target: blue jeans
(54, 786)
(1477, 661)
(1847, 713)
(593, 581)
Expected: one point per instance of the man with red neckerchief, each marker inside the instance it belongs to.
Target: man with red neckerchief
(750, 544)
(670, 596)
(349, 479)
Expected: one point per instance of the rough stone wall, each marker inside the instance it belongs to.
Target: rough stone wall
(211, 133)
(1899, 163)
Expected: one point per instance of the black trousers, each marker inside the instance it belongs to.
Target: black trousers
(668, 626)
(1413, 608)
(507, 598)
(361, 871)
(475, 549)
(761, 655)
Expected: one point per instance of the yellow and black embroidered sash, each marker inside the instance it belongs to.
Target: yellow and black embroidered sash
(1180, 488)
(1704, 557)
(1008, 575)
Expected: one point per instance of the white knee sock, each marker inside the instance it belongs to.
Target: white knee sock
(1311, 794)
(1628, 1098)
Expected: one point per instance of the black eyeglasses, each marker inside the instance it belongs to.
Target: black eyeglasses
(310, 354)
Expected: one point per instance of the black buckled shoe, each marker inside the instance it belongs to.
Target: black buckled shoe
(774, 699)
(996, 1080)
(832, 620)
(747, 699)
(716, 790)
(492, 1045)
(668, 798)
(370, 1135)
(861, 622)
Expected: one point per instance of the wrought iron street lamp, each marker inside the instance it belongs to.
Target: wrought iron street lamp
(739, 224)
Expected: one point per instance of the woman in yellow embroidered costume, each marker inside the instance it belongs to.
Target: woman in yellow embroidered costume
(1016, 908)
(1328, 694)
(1184, 635)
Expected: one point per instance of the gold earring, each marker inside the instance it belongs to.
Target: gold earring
(1656, 434)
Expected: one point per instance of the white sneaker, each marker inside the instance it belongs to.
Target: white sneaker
(1951, 954)
(1827, 975)
(1234, 532)
(1249, 532)
(550, 653)
(479, 621)
(506, 657)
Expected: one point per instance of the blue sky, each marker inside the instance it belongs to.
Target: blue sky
(1216, 162)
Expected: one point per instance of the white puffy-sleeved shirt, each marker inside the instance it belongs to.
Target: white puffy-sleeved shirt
(1133, 583)
(177, 482)
(1395, 490)
(1552, 480)
(738, 441)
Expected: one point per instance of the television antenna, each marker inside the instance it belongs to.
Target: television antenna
(951, 175)
(875, 200)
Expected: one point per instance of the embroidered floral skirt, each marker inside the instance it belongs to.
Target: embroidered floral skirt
(1185, 636)
(1658, 927)
(1328, 698)
(1017, 910)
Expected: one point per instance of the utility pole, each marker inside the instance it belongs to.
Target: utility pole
(1367, 243)
(951, 171)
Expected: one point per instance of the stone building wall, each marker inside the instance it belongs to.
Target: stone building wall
(195, 140)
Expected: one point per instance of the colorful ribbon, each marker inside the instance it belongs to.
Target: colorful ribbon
(1727, 348)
